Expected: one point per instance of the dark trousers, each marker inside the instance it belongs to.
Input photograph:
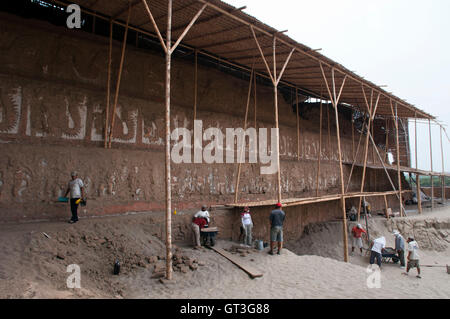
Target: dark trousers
(373, 255)
(74, 208)
(401, 256)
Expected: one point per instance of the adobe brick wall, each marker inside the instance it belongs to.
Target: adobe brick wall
(52, 109)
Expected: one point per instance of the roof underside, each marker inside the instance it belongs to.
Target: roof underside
(224, 31)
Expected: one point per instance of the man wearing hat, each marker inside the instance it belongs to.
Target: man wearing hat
(357, 232)
(277, 217)
(76, 189)
(400, 247)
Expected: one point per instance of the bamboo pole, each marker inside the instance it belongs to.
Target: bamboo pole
(330, 153)
(335, 102)
(319, 154)
(387, 141)
(254, 96)
(242, 152)
(195, 86)
(442, 161)
(167, 166)
(418, 191)
(298, 125)
(431, 163)
(119, 77)
(275, 91)
(398, 161)
(386, 206)
(108, 86)
(353, 135)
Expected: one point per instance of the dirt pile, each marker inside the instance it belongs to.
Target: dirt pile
(325, 239)
(33, 258)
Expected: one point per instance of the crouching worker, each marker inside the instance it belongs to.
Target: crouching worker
(377, 249)
(199, 221)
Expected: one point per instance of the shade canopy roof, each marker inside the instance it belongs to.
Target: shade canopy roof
(224, 31)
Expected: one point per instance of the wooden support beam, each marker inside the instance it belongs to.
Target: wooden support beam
(398, 160)
(298, 123)
(335, 101)
(353, 135)
(319, 153)
(155, 26)
(119, 77)
(431, 164)
(168, 178)
(242, 151)
(195, 87)
(108, 87)
(418, 191)
(330, 153)
(443, 171)
(386, 206)
(187, 28)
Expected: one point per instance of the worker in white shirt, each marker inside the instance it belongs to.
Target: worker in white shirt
(247, 225)
(413, 257)
(76, 189)
(203, 214)
(376, 251)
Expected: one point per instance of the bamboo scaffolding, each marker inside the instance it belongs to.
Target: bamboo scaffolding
(242, 151)
(314, 200)
(275, 81)
(353, 134)
(372, 112)
(119, 77)
(355, 157)
(330, 153)
(335, 102)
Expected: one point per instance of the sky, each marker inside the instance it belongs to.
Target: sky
(404, 44)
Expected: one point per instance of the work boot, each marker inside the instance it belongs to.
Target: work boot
(270, 252)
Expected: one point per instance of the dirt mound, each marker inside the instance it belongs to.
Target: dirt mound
(34, 259)
(325, 239)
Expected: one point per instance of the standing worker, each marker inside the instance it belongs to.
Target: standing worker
(247, 225)
(277, 217)
(357, 232)
(413, 257)
(400, 247)
(76, 189)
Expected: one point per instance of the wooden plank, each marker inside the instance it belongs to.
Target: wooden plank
(252, 272)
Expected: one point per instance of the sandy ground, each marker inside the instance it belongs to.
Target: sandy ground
(34, 266)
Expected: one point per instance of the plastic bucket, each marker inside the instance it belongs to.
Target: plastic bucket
(259, 245)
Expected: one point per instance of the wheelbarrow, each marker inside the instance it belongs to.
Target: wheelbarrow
(208, 235)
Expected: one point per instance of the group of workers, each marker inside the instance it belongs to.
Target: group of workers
(201, 220)
(378, 247)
